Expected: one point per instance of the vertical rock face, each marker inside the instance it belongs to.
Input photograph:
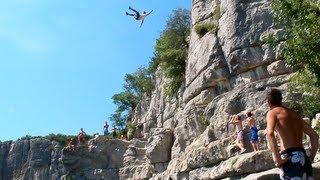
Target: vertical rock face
(41, 159)
(34, 159)
(228, 71)
(99, 159)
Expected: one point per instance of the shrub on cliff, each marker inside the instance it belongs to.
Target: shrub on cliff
(304, 96)
(301, 22)
(203, 28)
(171, 50)
(62, 139)
(130, 127)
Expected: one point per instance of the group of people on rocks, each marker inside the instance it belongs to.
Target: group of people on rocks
(292, 159)
(82, 136)
(239, 133)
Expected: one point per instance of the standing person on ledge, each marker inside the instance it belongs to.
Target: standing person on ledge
(254, 132)
(292, 160)
(236, 120)
(114, 132)
(105, 129)
(82, 136)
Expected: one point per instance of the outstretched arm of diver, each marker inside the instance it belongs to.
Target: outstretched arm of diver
(149, 12)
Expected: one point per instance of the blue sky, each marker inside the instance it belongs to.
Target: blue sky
(62, 61)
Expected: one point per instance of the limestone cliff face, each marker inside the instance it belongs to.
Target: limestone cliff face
(228, 72)
(34, 159)
(41, 159)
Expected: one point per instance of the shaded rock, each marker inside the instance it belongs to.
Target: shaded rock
(159, 146)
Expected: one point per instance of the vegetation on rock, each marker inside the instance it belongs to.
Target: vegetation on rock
(203, 28)
(171, 50)
(62, 139)
(301, 22)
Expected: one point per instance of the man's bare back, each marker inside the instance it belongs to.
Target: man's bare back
(289, 127)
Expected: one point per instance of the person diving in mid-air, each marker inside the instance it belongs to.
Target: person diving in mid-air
(138, 16)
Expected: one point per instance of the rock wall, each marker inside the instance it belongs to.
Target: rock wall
(41, 159)
(229, 70)
(34, 159)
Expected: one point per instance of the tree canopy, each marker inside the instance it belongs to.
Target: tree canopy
(301, 22)
(136, 84)
(171, 50)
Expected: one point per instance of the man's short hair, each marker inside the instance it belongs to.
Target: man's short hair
(249, 114)
(274, 96)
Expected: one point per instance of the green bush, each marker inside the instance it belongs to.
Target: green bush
(203, 28)
(29, 137)
(62, 139)
(304, 95)
(300, 21)
(218, 11)
(270, 39)
(130, 130)
(171, 50)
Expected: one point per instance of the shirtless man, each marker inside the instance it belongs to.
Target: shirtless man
(236, 120)
(292, 160)
(254, 132)
(82, 136)
(72, 145)
(138, 16)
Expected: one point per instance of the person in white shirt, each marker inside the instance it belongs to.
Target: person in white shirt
(138, 16)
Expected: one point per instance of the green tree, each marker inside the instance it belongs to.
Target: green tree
(125, 101)
(171, 50)
(136, 84)
(139, 82)
(119, 119)
(301, 22)
(304, 96)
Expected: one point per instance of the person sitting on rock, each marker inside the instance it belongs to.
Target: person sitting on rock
(122, 137)
(95, 139)
(82, 136)
(71, 145)
(236, 120)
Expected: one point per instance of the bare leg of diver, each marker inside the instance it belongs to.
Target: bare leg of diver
(128, 14)
(133, 10)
